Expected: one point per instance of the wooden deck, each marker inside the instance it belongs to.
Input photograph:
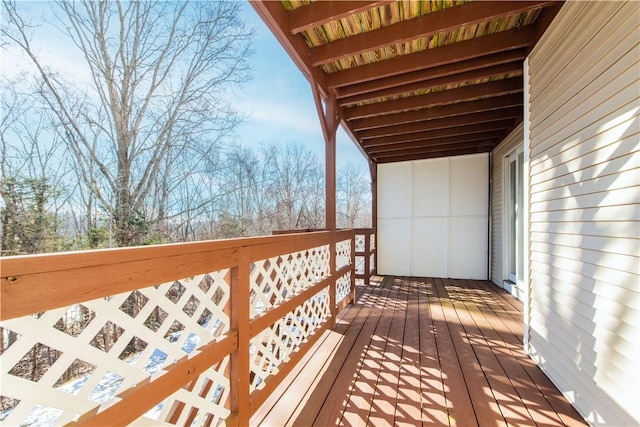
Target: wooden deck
(420, 351)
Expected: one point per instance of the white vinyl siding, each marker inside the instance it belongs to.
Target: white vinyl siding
(584, 208)
(433, 217)
(498, 155)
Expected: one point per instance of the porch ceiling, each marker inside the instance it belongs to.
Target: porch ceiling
(415, 80)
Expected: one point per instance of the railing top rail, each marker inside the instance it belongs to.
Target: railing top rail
(36, 283)
(38, 263)
(364, 230)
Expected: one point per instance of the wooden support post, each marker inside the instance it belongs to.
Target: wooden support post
(332, 282)
(367, 254)
(240, 313)
(329, 122)
(353, 267)
(373, 171)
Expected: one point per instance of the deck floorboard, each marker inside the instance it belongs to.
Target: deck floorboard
(421, 351)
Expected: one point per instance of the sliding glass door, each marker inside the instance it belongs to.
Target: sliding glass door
(515, 219)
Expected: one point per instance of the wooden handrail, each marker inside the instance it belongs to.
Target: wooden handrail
(42, 283)
(35, 283)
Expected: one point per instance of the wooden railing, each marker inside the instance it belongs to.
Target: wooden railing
(366, 254)
(365, 247)
(165, 335)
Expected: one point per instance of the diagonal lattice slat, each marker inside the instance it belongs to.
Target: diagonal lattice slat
(343, 287)
(273, 281)
(359, 264)
(343, 253)
(204, 402)
(270, 348)
(277, 279)
(360, 238)
(62, 363)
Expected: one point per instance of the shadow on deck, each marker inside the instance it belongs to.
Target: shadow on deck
(420, 351)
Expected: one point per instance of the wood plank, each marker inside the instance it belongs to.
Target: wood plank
(507, 351)
(339, 406)
(507, 397)
(468, 119)
(453, 110)
(319, 13)
(513, 335)
(23, 294)
(511, 68)
(277, 409)
(388, 142)
(433, 154)
(433, 73)
(436, 145)
(424, 26)
(447, 54)
(485, 407)
(451, 355)
(330, 392)
(137, 400)
(444, 97)
(326, 357)
(384, 407)
(408, 410)
(460, 408)
(434, 401)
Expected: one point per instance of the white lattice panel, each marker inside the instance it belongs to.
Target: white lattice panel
(343, 287)
(64, 362)
(359, 242)
(372, 262)
(273, 345)
(359, 264)
(277, 279)
(203, 403)
(372, 242)
(343, 253)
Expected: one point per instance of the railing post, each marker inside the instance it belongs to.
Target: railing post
(240, 313)
(332, 283)
(367, 254)
(353, 266)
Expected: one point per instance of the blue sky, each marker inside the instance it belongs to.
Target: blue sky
(277, 100)
(280, 104)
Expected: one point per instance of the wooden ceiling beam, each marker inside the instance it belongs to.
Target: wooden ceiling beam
(424, 26)
(517, 55)
(469, 132)
(434, 140)
(417, 148)
(462, 108)
(482, 90)
(430, 58)
(322, 12)
(421, 155)
(512, 68)
(429, 146)
(448, 122)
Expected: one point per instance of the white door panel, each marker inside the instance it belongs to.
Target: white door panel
(433, 217)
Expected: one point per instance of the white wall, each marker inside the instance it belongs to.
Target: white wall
(584, 208)
(432, 217)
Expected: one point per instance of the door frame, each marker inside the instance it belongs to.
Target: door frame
(514, 269)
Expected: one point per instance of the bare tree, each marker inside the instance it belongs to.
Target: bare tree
(296, 184)
(353, 197)
(160, 73)
(33, 168)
